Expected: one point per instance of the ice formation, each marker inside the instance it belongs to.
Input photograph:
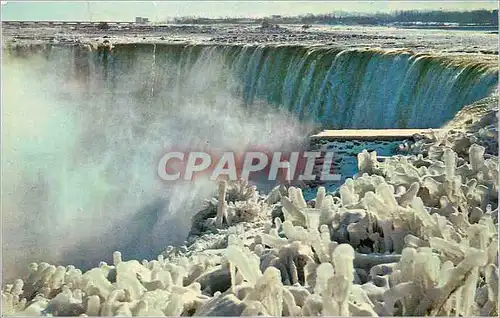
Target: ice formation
(408, 235)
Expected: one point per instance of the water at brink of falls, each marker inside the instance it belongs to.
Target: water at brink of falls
(83, 129)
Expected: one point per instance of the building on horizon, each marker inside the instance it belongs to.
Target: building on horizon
(141, 20)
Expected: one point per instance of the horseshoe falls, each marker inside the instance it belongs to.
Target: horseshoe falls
(335, 88)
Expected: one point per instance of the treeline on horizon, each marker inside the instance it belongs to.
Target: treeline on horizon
(474, 17)
(480, 17)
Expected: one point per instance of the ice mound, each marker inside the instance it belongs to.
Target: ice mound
(408, 235)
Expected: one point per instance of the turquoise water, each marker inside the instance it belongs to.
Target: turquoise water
(347, 165)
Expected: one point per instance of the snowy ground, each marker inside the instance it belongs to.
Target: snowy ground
(478, 44)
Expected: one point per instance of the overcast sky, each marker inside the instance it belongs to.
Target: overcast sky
(162, 10)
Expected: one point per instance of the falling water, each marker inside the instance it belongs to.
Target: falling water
(335, 88)
(153, 71)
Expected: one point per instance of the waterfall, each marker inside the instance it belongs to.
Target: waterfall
(354, 88)
(336, 88)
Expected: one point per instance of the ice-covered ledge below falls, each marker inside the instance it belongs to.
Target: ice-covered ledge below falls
(414, 235)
